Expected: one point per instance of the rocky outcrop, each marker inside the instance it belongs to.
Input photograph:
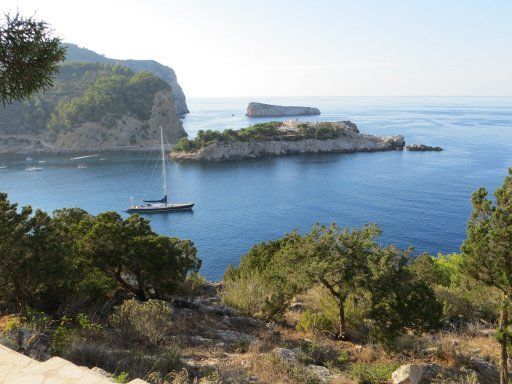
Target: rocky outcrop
(121, 132)
(349, 142)
(163, 114)
(267, 110)
(75, 53)
(423, 147)
(17, 368)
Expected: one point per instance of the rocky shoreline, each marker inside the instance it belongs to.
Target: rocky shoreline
(349, 142)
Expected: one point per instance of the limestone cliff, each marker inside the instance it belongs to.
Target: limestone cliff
(267, 110)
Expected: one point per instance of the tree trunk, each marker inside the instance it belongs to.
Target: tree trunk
(342, 326)
(503, 344)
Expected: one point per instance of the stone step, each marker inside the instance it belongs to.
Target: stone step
(16, 368)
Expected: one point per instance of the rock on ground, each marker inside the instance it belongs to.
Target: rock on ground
(407, 374)
(487, 373)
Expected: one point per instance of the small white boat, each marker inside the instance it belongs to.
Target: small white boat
(34, 169)
(42, 161)
(82, 166)
(3, 166)
(29, 160)
(84, 157)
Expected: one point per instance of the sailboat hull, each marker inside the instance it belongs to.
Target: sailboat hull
(160, 208)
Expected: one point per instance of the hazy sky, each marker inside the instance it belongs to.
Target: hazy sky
(300, 48)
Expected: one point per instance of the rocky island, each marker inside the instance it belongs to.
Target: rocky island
(423, 148)
(282, 138)
(267, 110)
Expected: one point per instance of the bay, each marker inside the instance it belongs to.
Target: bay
(417, 198)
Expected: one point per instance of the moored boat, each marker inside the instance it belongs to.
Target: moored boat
(162, 205)
(34, 169)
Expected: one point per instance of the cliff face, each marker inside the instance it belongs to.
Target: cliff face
(75, 53)
(267, 110)
(124, 132)
(350, 142)
(128, 132)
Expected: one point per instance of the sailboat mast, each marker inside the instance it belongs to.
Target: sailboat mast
(164, 167)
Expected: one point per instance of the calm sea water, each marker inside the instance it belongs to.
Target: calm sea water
(419, 199)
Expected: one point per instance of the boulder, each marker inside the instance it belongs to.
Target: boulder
(430, 371)
(487, 373)
(285, 355)
(320, 373)
(423, 147)
(233, 337)
(407, 374)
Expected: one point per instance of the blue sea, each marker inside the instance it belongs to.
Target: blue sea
(417, 198)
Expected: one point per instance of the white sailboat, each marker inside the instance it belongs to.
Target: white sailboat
(162, 205)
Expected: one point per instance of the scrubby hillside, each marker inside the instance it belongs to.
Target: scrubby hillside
(77, 54)
(92, 105)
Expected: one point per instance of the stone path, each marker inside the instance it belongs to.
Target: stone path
(16, 368)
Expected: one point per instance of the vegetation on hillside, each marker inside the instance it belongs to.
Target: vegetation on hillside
(84, 92)
(348, 266)
(29, 57)
(109, 292)
(261, 132)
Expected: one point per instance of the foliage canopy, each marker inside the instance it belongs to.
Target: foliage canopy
(74, 259)
(29, 57)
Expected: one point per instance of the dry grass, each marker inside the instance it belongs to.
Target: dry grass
(9, 322)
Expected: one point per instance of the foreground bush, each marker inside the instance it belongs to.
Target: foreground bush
(73, 261)
(143, 321)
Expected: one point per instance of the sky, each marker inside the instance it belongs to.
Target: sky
(300, 47)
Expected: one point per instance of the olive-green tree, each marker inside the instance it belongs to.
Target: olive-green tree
(139, 260)
(36, 267)
(488, 253)
(29, 57)
(338, 259)
(347, 261)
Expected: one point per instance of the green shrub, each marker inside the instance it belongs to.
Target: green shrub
(122, 377)
(314, 353)
(147, 322)
(247, 294)
(167, 361)
(372, 373)
(463, 298)
(266, 280)
(316, 322)
(192, 284)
